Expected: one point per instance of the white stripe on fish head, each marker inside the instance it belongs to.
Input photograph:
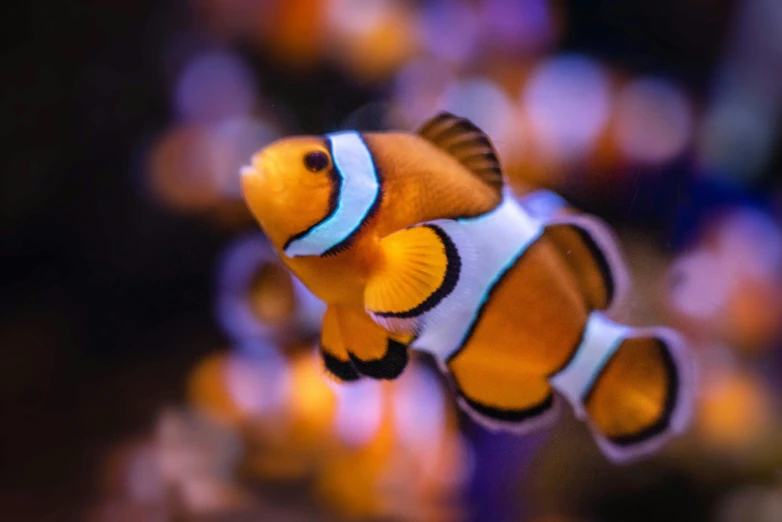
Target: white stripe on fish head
(359, 192)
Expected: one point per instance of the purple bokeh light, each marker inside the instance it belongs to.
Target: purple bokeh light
(360, 411)
(653, 120)
(568, 101)
(521, 25)
(487, 105)
(214, 86)
(240, 261)
(257, 378)
(449, 30)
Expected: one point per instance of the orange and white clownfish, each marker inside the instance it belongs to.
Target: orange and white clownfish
(413, 241)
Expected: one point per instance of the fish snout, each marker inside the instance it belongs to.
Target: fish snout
(262, 176)
(256, 166)
(255, 176)
(248, 171)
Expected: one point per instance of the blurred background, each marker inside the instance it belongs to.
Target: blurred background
(156, 361)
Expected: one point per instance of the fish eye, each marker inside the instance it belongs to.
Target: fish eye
(316, 160)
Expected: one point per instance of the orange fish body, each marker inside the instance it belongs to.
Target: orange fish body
(406, 201)
(412, 242)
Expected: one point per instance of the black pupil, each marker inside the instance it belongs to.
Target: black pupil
(316, 161)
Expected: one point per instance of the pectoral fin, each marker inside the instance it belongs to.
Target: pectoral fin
(371, 349)
(333, 350)
(420, 267)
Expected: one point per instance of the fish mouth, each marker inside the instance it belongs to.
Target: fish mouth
(260, 180)
(256, 176)
(248, 170)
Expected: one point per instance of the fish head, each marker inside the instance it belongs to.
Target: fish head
(290, 186)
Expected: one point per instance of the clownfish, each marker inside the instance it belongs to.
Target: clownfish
(414, 241)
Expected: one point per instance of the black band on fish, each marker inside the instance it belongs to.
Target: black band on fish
(390, 366)
(601, 261)
(343, 370)
(453, 269)
(500, 414)
(590, 253)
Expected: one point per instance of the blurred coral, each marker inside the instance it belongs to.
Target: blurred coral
(736, 410)
(257, 298)
(729, 285)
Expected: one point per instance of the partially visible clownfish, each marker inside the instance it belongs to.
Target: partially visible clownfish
(413, 241)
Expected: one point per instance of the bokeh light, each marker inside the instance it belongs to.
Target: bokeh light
(194, 169)
(199, 458)
(180, 170)
(293, 33)
(729, 284)
(568, 102)
(258, 384)
(372, 38)
(488, 106)
(359, 411)
(257, 298)
(418, 89)
(420, 412)
(653, 120)
(735, 411)
(449, 30)
(523, 26)
(214, 86)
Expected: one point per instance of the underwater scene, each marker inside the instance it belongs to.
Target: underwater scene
(391, 261)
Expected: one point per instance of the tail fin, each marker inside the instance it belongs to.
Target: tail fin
(634, 385)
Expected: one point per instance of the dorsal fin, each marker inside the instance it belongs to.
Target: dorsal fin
(463, 140)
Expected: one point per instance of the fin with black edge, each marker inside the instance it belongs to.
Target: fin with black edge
(467, 143)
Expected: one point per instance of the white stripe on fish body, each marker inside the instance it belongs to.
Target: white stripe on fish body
(602, 338)
(359, 190)
(488, 246)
